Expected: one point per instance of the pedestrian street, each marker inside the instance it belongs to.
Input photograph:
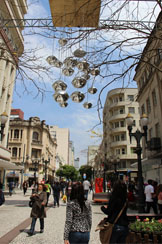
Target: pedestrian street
(15, 222)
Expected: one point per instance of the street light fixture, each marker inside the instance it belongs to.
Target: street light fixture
(3, 120)
(138, 136)
(36, 167)
(115, 161)
(45, 162)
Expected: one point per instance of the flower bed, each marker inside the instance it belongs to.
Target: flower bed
(147, 226)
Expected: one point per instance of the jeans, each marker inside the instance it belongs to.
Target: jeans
(56, 200)
(86, 194)
(32, 228)
(79, 237)
(119, 234)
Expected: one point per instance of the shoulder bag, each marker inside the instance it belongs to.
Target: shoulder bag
(106, 228)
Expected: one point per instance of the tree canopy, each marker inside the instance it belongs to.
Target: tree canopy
(67, 171)
(86, 169)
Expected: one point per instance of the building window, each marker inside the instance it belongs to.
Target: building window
(34, 153)
(123, 151)
(16, 133)
(35, 136)
(150, 133)
(122, 137)
(121, 111)
(131, 98)
(14, 152)
(154, 99)
(120, 99)
(134, 123)
(157, 130)
(19, 152)
(117, 138)
(117, 124)
(21, 133)
(122, 123)
(117, 151)
(143, 109)
(11, 133)
(124, 164)
(148, 105)
(131, 110)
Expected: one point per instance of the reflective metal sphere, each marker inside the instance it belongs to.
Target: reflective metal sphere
(92, 90)
(77, 97)
(79, 53)
(51, 60)
(63, 105)
(59, 85)
(62, 42)
(79, 82)
(70, 62)
(83, 65)
(61, 97)
(86, 76)
(68, 71)
(95, 71)
(87, 105)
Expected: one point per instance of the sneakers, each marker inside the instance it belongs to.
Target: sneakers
(30, 233)
(41, 231)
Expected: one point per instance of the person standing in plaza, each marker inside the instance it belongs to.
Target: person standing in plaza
(118, 202)
(10, 186)
(39, 200)
(86, 185)
(159, 195)
(25, 187)
(48, 190)
(78, 217)
(149, 193)
(56, 193)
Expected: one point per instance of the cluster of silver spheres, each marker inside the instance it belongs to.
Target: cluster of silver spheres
(67, 68)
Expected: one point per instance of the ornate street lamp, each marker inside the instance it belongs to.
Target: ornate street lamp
(138, 136)
(115, 161)
(35, 162)
(46, 162)
(3, 120)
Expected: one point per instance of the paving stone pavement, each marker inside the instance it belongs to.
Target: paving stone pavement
(16, 210)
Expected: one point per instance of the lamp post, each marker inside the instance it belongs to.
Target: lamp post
(115, 161)
(36, 167)
(3, 120)
(138, 136)
(46, 162)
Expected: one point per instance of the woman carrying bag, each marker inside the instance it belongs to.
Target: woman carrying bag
(39, 200)
(116, 211)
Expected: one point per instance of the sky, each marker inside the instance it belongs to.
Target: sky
(78, 119)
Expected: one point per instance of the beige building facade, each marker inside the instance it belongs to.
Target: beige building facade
(62, 136)
(116, 146)
(32, 146)
(11, 48)
(149, 81)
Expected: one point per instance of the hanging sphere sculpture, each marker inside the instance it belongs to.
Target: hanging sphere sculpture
(70, 62)
(63, 104)
(77, 97)
(51, 60)
(79, 53)
(87, 105)
(59, 85)
(86, 76)
(95, 71)
(92, 90)
(79, 82)
(62, 42)
(61, 97)
(83, 65)
(68, 71)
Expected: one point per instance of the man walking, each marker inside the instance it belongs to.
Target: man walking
(86, 185)
(149, 192)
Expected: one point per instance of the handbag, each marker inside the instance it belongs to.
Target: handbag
(106, 228)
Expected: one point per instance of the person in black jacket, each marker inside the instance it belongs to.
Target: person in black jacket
(56, 193)
(116, 203)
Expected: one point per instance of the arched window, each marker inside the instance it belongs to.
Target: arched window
(14, 152)
(16, 133)
(35, 136)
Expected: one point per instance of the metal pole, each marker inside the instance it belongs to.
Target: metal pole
(104, 179)
(22, 172)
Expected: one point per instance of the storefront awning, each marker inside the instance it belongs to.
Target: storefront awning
(8, 165)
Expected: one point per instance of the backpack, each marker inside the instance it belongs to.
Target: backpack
(2, 198)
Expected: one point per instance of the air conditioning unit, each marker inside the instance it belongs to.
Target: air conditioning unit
(155, 143)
